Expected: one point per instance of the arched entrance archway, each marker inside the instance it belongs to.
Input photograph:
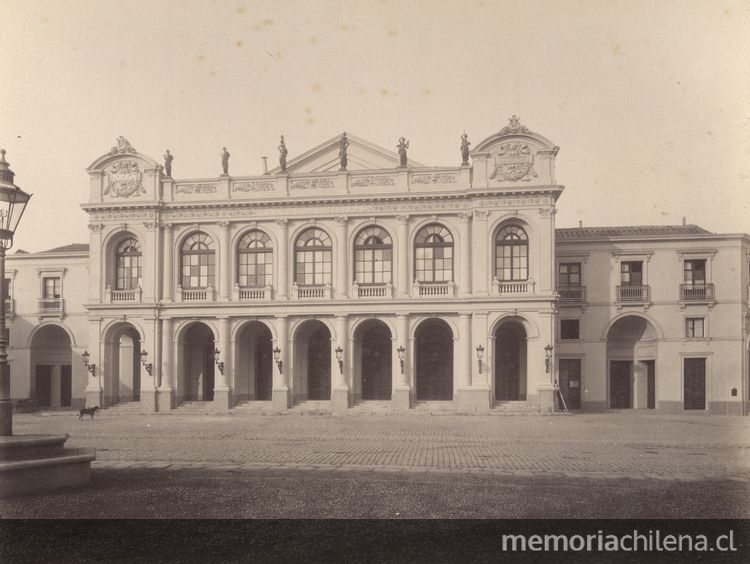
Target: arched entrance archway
(122, 369)
(631, 359)
(434, 360)
(197, 374)
(510, 362)
(312, 360)
(51, 368)
(373, 356)
(254, 373)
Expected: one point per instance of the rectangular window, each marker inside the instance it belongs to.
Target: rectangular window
(694, 327)
(52, 288)
(694, 272)
(631, 273)
(570, 329)
(569, 274)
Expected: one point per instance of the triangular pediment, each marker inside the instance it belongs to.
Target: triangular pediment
(361, 155)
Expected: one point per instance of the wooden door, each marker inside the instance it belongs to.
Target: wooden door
(619, 384)
(263, 369)
(43, 385)
(319, 365)
(435, 364)
(376, 364)
(570, 382)
(695, 383)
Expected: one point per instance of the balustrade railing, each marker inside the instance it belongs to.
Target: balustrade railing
(240, 293)
(633, 294)
(503, 287)
(195, 294)
(696, 292)
(572, 294)
(50, 306)
(434, 289)
(372, 291)
(311, 292)
(119, 296)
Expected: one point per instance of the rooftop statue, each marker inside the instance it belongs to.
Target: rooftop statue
(465, 149)
(403, 145)
(282, 155)
(168, 158)
(225, 161)
(343, 144)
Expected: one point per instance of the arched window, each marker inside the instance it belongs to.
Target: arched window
(433, 254)
(511, 254)
(198, 261)
(128, 274)
(373, 252)
(255, 260)
(312, 258)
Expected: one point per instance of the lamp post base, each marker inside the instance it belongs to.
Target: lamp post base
(6, 418)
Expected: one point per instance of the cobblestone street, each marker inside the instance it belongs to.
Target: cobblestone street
(629, 445)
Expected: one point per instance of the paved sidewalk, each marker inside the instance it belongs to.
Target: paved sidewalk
(606, 446)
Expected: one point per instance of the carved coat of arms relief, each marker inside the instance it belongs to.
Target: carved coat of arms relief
(514, 160)
(124, 180)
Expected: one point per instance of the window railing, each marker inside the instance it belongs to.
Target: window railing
(633, 294)
(571, 294)
(195, 294)
(240, 293)
(503, 287)
(434, 289)
(696, 292)
(50, 306)
(311, 292)
(372, 290)
(118, 296)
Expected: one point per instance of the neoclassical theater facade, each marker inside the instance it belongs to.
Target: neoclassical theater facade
(352, 274)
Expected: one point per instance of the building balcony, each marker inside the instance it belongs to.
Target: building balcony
(245, 294)
(312, 292)
(571, 295)
(195, 294)
(372, 290)
(132, 295)
(696, 293)
(50, 306)
(512, 287)
(633, 294)
(434, 289)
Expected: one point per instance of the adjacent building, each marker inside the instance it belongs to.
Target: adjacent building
(351, 274)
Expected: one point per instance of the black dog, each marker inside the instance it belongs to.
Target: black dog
(87, 411)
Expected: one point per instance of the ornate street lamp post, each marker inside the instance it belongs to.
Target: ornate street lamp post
(13, 202)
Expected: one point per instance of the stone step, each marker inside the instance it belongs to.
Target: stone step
(513, 407)
(312, 406)
(247, 405)
(372, 406)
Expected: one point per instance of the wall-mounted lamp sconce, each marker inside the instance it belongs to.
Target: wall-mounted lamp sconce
(548, 357)
(277, 358)
(91, 366)
(340, 358)
(480, 354)
(149, 366)
(220, 364)
(401, 352)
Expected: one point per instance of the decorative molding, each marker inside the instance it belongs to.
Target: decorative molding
(465, 216)
(195, 189)
(281, 221)
(313, 184)
(166, 226)
(122, 146)
(223, 224)
(256, 186)
(150, 225)
(514, 126)
(435, 178)
(481, 215)
(342, 220)
(124, 180)
(633, 254)
(365, 181)
(96, 227)
(403, 219)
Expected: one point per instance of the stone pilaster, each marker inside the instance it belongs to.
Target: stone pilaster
(164, 393)
(222, 392)
(340, 372)
(465, 265)
(404, 286)
(283, 262)
(280, 393)
(342, 271)
(168, 282)
(401, 389)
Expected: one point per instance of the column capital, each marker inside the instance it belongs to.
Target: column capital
(281, 221)
(166, 226)
(403, 219)
(341, 220)
(465, 216)
(223, 224)
(481, 215)
(96, 227)
(150, 225)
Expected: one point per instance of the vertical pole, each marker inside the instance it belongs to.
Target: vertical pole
(6, 405)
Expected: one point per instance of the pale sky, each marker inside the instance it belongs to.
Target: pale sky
(648, 101)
